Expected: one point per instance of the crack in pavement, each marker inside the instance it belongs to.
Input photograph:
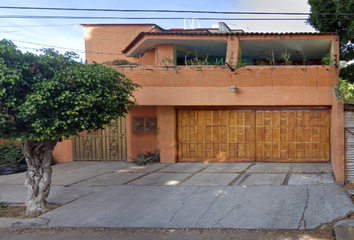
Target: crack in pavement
(233, 208)
(210, 188)
(210, 206)
(302, 222)
(328, 225)
(48, 221)
(181, 207)
(173, 194)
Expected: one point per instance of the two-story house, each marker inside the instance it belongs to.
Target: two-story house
(219, 95)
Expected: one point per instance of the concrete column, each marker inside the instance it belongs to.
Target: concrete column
(164, 55)
(337, 139)
(232, 51)
(166, 137)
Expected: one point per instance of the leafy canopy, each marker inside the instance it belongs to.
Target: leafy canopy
(336, 16)
(46, 96)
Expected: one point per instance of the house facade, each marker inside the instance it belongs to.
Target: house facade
(220, 95)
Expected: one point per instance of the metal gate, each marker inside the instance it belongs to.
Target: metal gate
(108, 144)
(349, 153)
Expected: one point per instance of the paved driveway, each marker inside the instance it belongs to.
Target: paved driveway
(188, 195)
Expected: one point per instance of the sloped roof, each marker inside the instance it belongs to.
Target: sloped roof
(203, 32)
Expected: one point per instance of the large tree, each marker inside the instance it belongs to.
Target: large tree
(48, 96)
(337, 16)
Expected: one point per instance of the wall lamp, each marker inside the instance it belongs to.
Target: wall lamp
(233, 89)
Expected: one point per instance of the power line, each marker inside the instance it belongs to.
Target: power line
(44, 25)
(150, 10)
(160, 18)
(172, 11)
(62, 48)
(44, 45)
(149, 18)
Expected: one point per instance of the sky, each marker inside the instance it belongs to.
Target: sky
(67, 34)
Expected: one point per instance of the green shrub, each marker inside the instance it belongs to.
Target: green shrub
(3, 206)
(328, 59)
(10, 153)
(148, 158)
(241, 63)
(122, 62)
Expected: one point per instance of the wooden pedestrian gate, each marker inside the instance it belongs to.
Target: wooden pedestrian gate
(108, 144)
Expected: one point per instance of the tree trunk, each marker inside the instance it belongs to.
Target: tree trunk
(39, 173)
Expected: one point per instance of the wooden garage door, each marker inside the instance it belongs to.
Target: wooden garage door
(212, 135)
(277, 135)
(292, 135)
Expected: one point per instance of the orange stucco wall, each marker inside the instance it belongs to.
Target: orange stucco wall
(140, 143)
(203, 86)
(105, 42)
(166, 137)
(169, 87)
(164, 55)
(149, 58)
(63, 152)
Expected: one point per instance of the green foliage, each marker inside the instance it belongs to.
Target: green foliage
(52, 95)
(286, 57)
(140, 160)
(205, 62)
(328, 59)
(217, 62)
(347, 90)
(197, 61)
(336, 16)
(122, 62)
(241, 63)
(166, 61)
(10, 153)
(3, 206)
(347, 72)
(148, 158)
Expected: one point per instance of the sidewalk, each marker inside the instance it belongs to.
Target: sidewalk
(187, 195)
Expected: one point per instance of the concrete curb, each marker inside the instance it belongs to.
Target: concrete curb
(24, 223)
(344, 229)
